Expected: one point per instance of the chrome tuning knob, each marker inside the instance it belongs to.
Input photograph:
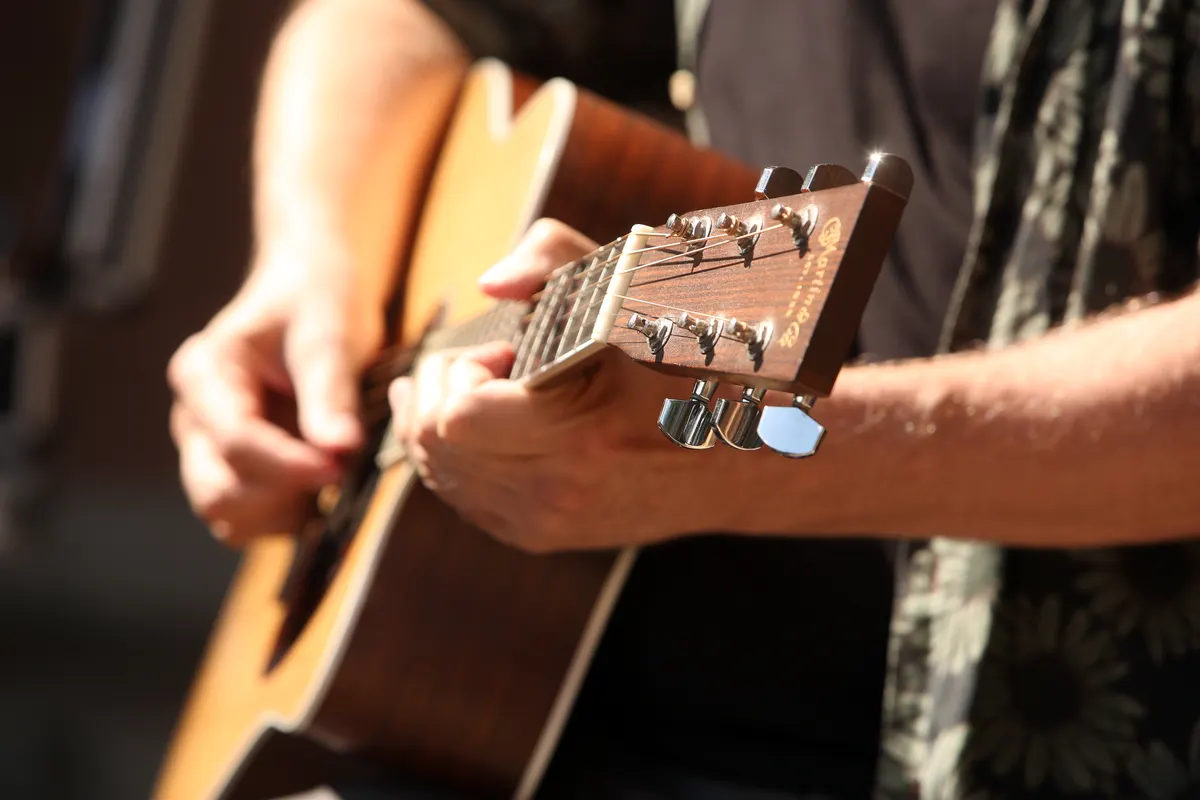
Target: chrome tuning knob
(778, 182)
(789, 430)
(688, 423)
(891, 173)
(736, 422)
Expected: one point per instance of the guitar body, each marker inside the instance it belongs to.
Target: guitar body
(430, 648)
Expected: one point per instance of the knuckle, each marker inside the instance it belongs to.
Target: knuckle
(233, 445)
(456, 421)
(215, 503)
(182, 365)
(564, 497)
(425, 433)
(547, 519)
(310, 342)
(542, 531)
(543, 231)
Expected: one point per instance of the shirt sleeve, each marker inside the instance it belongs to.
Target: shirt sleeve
(623, 49)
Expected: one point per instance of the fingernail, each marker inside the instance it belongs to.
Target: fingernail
(341, 430)
(497, 273)
(331, 473)
(399, 395)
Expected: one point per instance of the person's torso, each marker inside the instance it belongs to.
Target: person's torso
(763, 660)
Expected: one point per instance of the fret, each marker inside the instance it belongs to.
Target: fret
(529, 359)
(557, 301)
(573, 326)
(558, 313)
(525, 345)
(598, 289)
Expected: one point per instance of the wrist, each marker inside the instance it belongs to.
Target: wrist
(313, 260)
(877, 471)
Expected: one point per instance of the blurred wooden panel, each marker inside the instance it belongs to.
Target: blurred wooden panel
(40, 45)
(114, 398)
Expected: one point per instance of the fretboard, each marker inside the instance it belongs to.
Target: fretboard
(565, 316)
(569, 320)
(502, 322)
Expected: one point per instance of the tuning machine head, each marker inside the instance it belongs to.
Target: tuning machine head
(789, 430)
(889, 172)
(688, 423)
(778, 182)
(736, 422)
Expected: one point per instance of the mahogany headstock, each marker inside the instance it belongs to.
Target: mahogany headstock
(767, 294)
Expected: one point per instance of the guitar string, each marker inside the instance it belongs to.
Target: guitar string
(724, 238)
(593, 269)
(661, 262)
(375, 389)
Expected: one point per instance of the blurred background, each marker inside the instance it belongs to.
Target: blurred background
(125, 130)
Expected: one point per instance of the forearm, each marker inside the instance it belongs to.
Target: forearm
(353, 97)
(1088, 436)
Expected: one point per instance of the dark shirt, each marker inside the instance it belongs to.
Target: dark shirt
(755, 661)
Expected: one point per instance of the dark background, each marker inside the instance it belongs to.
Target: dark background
(107, 594)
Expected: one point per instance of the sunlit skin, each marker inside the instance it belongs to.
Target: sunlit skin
(1087, 436)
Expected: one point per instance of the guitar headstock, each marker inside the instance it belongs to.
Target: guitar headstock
(767, 294)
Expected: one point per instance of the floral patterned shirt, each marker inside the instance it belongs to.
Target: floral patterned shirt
(1050, 673)
(1039, 674)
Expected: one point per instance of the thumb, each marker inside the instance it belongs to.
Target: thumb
(322, 360)
(547, 245)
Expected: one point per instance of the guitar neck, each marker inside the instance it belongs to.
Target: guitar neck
(577, 309)
(567, 322)
(568, 318)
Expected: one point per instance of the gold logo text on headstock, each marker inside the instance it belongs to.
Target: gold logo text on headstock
(812, 280)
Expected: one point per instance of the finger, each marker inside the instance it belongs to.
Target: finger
(474, 367)
(428, 393)
(234, 508)
(494, 357)
(322, 363)
(224, 398)
(547, 245)
(400, 399)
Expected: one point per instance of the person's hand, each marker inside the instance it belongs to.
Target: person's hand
(580, 465)
(266, 395)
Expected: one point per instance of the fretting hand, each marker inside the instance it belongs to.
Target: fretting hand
(580, 465)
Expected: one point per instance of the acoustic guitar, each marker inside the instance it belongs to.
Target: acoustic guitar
(393, 631)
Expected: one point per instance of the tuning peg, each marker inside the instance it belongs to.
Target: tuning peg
(707, 330)
(730, 224)
(789, 430)
(755, 337)
(828, 176)
(736, 422)
(778, 182)
(678, 225)
(890, 172)
(688, 423)
(656, 331)
(802, 222)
